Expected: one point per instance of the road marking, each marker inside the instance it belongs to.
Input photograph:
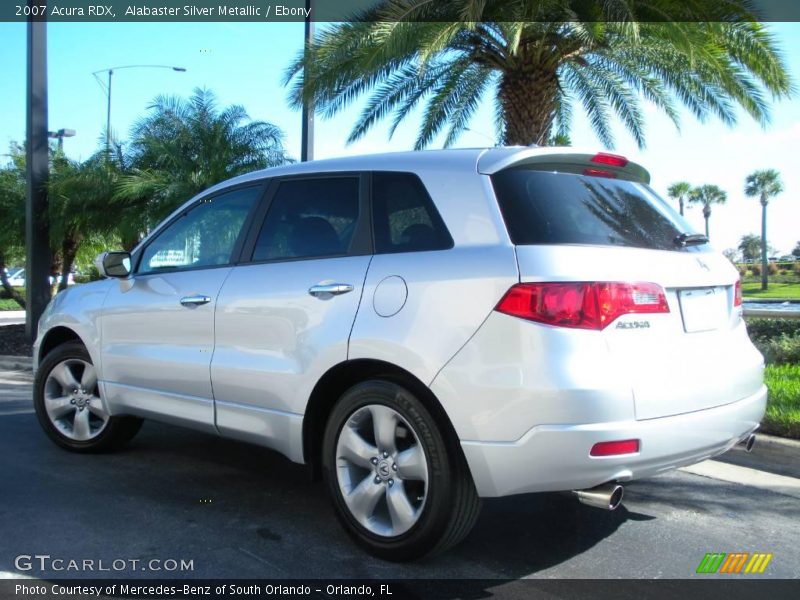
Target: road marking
(789, 486)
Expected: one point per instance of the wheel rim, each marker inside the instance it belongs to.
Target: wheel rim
(382, 470)
(72, 401)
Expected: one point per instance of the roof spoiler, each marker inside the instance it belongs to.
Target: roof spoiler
(598, 164)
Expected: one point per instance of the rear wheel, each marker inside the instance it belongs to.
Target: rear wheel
(398, 488)
(69, 406)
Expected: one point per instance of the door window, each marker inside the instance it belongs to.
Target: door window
(309, 218)
(204, 236)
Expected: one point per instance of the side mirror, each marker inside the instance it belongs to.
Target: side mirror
(114, 264)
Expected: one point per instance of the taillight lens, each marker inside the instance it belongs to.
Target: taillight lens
(615, 448)
(737, 293)
(605, 158)
(582, 305)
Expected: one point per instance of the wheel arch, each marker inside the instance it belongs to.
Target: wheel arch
(55, 337)
(341, 377)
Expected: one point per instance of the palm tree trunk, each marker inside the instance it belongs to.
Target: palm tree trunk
(707, 216)
(680, 205)
(69, 248)
(527, 100)
(764, 262)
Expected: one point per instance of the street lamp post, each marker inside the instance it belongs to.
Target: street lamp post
(37, 231)
(307, 128)
(107, 88)
(60, 135)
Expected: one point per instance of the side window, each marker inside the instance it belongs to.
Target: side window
(204, 236)
(404, 217)
(309, 218)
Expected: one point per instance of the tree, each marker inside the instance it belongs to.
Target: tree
(183, 147)
(750, 247)
(730, 254)
(707, 195)
(538, 59)
(796, 250)
(81, 206)
(763, 184)
(680, 191)
(12, 216)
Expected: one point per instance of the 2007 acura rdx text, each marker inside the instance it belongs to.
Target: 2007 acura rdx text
(424, 329)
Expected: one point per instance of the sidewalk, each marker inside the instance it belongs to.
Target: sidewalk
(16, 380)
(12, 317)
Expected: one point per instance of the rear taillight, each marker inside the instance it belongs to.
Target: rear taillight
(737, 293)
(582, 305)
(615, 448)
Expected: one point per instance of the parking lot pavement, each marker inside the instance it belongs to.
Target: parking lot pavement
(239, 511)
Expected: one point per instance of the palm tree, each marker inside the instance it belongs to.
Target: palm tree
(707, 195)
(538, 59)
(763, 184)
(750, 247)
(185, 146)
(679, 191)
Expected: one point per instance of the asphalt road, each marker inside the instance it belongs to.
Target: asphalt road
(238, 511)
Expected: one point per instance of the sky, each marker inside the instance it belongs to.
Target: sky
(244, 63)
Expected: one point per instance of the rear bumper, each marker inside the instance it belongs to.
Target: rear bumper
(556, 457)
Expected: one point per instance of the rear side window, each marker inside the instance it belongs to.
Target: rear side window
(541, 207)
(309, 218)
(404, 217)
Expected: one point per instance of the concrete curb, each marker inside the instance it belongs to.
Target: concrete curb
(15, 363)
(780, 456)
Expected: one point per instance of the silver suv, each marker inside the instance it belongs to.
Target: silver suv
(424, 329)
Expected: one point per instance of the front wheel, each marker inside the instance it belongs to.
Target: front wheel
(69, 406)
(398, 488)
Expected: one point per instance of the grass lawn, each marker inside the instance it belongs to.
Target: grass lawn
(783, 409)
(9, 304)
(787, 291)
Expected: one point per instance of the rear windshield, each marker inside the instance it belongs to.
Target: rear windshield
(543, 207)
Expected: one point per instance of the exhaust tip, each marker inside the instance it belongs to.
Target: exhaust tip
(607, 496)
(750, 442)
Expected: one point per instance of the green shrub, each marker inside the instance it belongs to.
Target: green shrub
(764, 329)
(782, 350)
(783, 407)
(797, 268)
(755, 270)
(772, 268)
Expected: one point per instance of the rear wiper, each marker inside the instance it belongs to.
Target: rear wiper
(690, 239)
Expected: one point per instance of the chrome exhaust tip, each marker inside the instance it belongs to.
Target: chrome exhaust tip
(748, 442)
(607, 496)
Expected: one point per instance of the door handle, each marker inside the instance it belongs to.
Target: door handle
(195, 300)
(329, 289)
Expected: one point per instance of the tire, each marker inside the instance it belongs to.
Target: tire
(69, 407)
(398, 487)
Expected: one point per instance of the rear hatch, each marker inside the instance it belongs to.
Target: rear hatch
(593, 218)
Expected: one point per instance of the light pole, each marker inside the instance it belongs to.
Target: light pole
(37, 230)
(107, 88)
(60, 135)
(307, 129)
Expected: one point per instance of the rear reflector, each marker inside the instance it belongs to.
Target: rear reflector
(737, 293)
(582, 305)
(615, 448)
(614, 160)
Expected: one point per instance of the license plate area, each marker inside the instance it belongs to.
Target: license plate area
(703, 309)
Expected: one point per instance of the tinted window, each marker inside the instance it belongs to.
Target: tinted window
(204, 236)
(542, 207)
(403, 215)
(309, 218)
